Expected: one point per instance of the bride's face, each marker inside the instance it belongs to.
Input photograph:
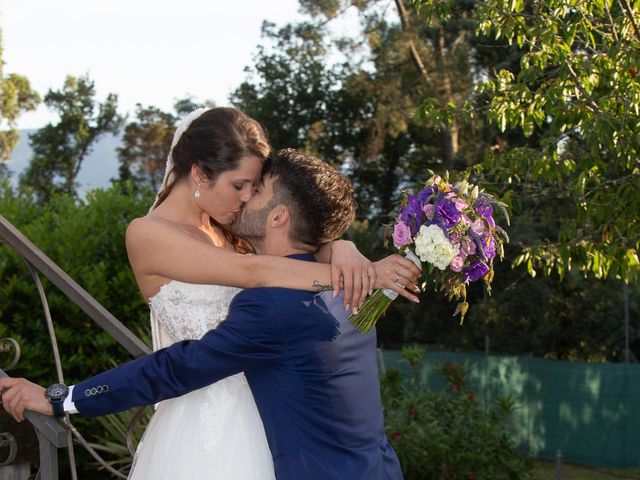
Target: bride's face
(223, 198)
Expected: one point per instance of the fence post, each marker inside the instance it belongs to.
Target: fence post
(48, 458)
(558, 464)
(626, 323)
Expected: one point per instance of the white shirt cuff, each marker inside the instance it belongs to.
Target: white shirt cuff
(68, 405)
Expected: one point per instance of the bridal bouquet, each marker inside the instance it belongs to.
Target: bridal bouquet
(449, 231)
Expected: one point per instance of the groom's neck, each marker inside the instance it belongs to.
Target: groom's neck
(279, 248)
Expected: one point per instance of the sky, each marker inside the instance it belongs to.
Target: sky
(145, 51)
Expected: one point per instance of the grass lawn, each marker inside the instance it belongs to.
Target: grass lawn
(547, 471)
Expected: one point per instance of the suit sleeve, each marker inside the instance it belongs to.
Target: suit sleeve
(250, 336)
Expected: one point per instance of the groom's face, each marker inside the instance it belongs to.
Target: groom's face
(252, 223)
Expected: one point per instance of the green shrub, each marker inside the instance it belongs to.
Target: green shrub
(448, 434)
(86, 239)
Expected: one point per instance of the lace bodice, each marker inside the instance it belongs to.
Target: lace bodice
(186, 311)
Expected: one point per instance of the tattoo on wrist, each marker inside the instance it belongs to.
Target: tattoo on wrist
(319, 287)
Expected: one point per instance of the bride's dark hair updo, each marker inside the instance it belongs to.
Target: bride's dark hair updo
(215, 142)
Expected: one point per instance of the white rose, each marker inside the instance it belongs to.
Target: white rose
(432, 246)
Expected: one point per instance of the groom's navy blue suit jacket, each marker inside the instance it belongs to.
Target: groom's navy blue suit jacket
(313, 376)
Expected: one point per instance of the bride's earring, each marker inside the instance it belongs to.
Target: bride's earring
(197, 192)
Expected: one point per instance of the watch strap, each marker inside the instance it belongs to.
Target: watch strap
(58, 408)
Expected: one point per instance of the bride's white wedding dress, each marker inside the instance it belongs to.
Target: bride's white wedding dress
(212, 433)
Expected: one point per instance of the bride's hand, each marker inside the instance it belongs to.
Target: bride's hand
(352, 271)
(399, 274)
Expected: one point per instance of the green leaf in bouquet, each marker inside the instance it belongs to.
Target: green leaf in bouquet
(463, 187)
(404, 198)
(502, 208)
(500, 249)
(461, 309)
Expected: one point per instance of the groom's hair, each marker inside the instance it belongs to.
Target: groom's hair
(319, 197)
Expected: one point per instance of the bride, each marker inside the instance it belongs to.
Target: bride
(189, 266)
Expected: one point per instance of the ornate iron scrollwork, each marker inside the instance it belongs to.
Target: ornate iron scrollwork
(6, 345)
(8, 441)
(132, 424)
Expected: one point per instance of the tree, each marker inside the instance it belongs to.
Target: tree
(59, 149)
(348, 115)
(289, 85)
(577, 96)
(361, 115)
(16, 97)
(145, 145)
(147, 140)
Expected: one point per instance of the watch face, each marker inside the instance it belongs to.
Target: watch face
(57, 391)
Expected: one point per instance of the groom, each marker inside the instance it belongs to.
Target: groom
(313, 376)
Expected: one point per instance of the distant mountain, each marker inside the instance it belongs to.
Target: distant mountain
(97, 170)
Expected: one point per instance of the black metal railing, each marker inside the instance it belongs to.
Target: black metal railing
(51, 434)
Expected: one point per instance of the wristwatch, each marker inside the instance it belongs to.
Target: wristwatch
(56, 394)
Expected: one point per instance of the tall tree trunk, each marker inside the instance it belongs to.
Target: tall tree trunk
(449, 132)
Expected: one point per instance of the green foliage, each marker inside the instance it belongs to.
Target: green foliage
(575, 97)
(16, 97)
(86, 239)
(448, 434)
(349, 98)
(569, 318)
(359, 115)
(59, 149)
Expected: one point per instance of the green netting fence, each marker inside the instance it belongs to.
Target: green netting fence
(590, 412)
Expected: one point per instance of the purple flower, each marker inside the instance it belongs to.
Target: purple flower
(414, 206)
(447, 212)
(457, 263)
(429, 210)
(488, 246)
(468, 247)
(412, 214)
(486, 210)
(425, 193)
(478, 227)
(475, 271)
(460, 204)
(401, 234)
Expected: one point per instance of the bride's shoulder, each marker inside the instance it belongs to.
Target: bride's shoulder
(148, 230)
(149, 223)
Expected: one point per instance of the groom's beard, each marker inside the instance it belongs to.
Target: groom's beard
(251, 226)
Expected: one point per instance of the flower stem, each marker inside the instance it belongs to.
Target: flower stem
(370, 312)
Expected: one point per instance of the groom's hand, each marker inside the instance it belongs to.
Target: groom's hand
(399, 274)
(19, 394)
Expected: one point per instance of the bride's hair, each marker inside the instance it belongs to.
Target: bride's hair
(215, 142)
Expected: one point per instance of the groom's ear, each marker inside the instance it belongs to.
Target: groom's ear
(280, 216)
